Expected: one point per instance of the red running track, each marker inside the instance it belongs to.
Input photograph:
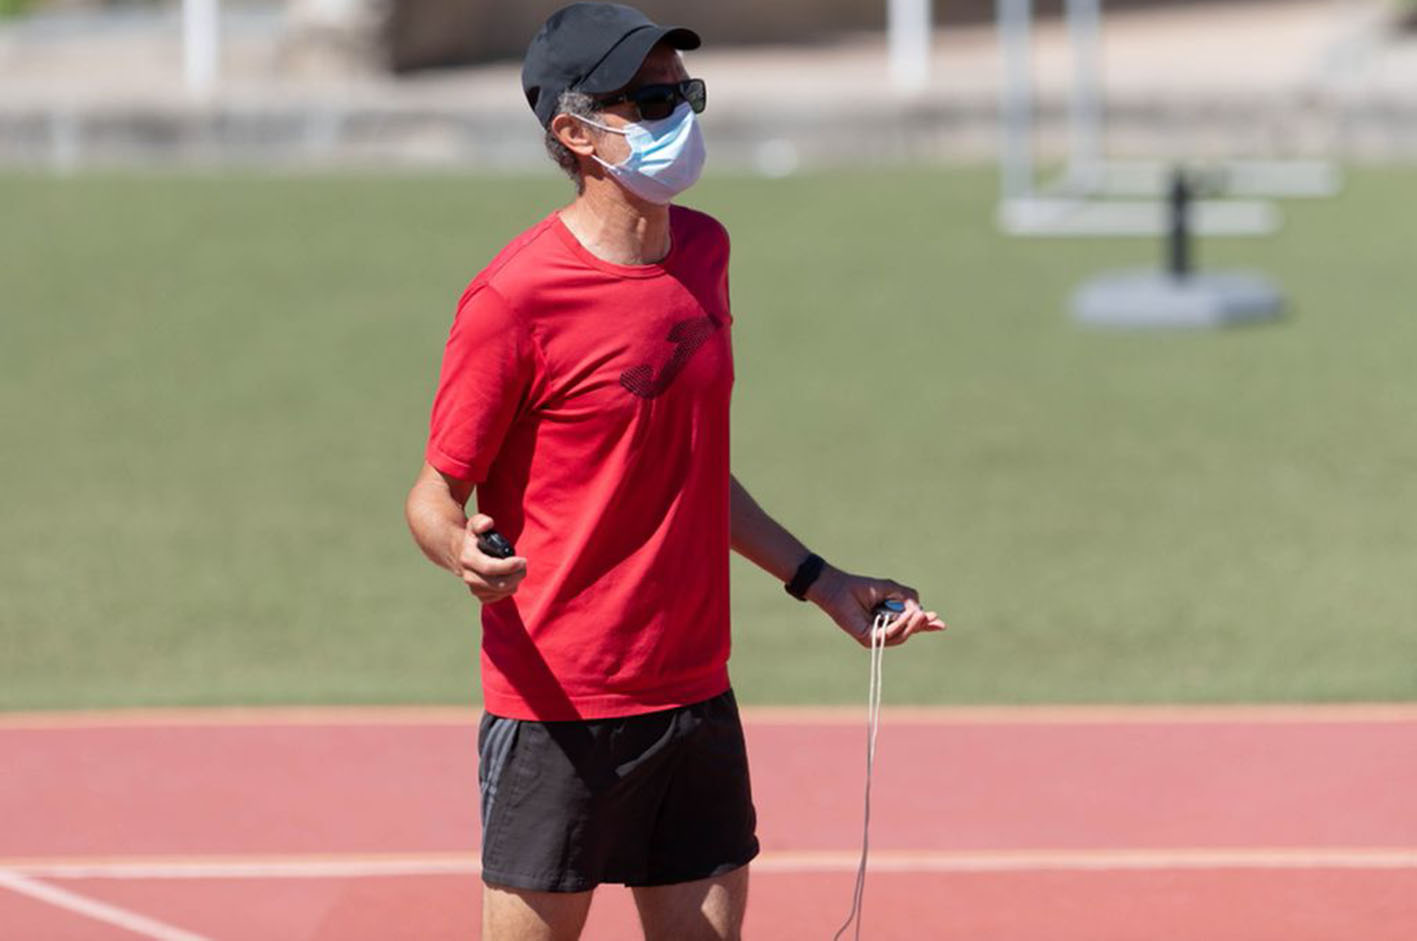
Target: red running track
(1248, 824)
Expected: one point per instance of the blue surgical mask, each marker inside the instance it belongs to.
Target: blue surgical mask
(666, 156)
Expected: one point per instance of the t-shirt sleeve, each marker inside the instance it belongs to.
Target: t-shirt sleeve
(489, 366)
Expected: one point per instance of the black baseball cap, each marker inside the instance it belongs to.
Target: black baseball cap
(594, 48)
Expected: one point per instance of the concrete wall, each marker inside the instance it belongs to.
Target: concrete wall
(427, 33)
(430, 33)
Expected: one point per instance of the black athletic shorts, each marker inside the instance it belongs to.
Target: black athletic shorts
(642, 800)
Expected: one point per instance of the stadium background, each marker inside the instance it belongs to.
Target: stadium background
(217, 372)
(1178, 698)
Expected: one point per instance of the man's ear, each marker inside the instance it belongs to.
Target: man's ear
(573, 134)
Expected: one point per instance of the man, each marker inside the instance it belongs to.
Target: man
(585, 396)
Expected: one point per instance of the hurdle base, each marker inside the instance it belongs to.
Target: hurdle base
(1154, 299)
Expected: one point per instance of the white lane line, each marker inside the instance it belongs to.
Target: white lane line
(260, 868)
(1093, 860)
(898, 861)
(92, 908)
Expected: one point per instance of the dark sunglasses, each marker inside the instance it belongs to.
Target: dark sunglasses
(654, 102)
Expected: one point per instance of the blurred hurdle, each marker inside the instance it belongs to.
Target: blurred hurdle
(1082, 201)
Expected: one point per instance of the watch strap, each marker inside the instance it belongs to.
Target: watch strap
(806, 574)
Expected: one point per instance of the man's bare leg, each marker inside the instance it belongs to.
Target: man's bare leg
(520, 915)
(706, 910)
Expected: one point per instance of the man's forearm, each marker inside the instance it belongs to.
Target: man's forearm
(761, 539)
(436, 518)
(850, 600)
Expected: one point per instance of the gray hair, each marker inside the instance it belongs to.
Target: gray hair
(576, 103)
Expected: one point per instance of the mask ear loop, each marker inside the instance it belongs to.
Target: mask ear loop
(873, 724)
(625, 131)
(604, 127)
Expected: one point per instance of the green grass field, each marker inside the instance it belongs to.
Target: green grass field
(213, 395)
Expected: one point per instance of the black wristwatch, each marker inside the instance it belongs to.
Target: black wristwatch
(807, 573)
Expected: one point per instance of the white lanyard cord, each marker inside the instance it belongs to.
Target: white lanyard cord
(873, 723)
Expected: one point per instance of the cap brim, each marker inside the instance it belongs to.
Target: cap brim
(621, 63)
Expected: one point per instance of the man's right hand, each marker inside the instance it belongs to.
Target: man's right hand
(489, 578)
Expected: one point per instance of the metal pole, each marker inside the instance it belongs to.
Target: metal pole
(1016, 173)
(201, 44)
(1178, 239)
(908, 34)
(1085, 101)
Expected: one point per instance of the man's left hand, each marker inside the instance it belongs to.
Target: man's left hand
(851, 600)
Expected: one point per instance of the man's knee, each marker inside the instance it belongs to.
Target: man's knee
(510, 914)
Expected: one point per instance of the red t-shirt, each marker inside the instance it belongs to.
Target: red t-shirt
(589, 401)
